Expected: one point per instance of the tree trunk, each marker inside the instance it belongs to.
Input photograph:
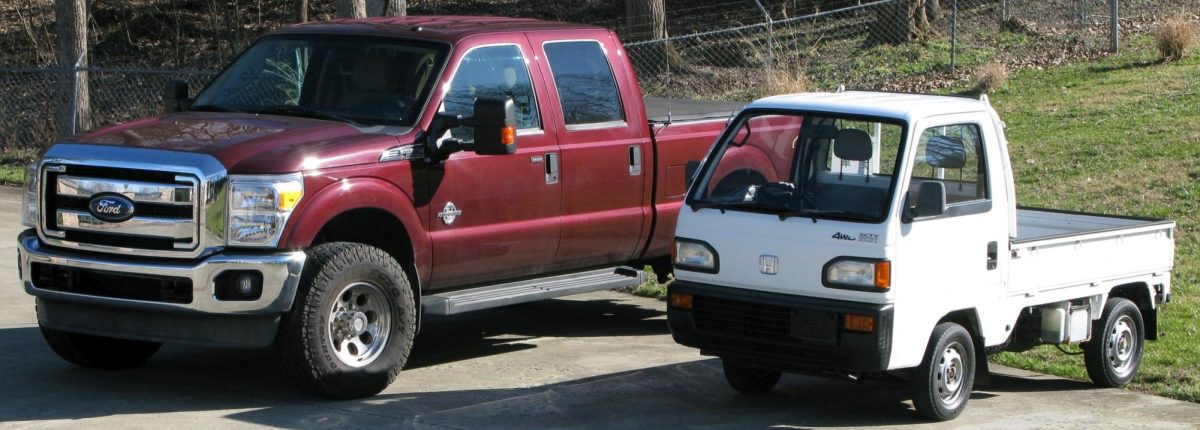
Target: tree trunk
(350, 8)
(301, 10)
(396, 8)
(646, 19)
(71, 17)
(905, 21)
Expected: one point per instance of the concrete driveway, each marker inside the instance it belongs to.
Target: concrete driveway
(601, 360)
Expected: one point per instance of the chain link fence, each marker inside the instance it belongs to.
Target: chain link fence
(757, 48)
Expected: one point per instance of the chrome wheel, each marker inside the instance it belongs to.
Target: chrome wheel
(950, 372)
(359, 324)
(1120, 345)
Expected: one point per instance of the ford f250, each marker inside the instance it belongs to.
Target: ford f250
(861, 234)
(340, 179)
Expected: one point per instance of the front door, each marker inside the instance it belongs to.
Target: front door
(495, 216)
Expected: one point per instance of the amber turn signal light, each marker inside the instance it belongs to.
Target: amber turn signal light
(508, 135)
(681, 300)
(860, 323)
(883, 274)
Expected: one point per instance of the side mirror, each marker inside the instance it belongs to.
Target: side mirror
(931, 201)
(689, 172)
(175, 96)
(493, 127)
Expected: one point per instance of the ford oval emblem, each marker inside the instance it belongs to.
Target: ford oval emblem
(111, 207)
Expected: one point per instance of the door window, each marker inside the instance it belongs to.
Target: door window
(586, 87)
(492, 71)
(952, 155)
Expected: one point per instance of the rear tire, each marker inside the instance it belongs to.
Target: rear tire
(942, 383)
(99, 352)
(352, 326)
(748, 379)
(1118, 338)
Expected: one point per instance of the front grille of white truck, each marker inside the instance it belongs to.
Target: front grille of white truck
(166, 215)
(746, 320)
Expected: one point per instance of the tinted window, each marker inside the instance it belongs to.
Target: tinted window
(585, 83)
(492, 71)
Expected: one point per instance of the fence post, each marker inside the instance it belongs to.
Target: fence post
(1003, 12)
(954, 36)
(770, 42)
(1114, 26)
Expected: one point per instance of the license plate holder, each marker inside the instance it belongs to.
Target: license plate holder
(814, 326)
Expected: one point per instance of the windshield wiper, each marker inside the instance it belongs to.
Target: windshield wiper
(814, 213)
(213, 108)
(306, 113)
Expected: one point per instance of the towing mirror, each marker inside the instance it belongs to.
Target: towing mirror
(495, 124)
(931, 201)
(175, 96)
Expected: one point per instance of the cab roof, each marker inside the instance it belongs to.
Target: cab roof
(904, 106)
(445, 28)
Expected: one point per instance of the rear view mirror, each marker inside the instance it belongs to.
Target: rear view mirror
(495, 123)
(175, 96)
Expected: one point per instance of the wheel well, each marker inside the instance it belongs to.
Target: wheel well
(968, 319)
(1139, 294)
(378, 228)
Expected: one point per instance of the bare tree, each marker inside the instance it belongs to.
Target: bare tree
(350, 8)
(301, 10)
(906, 21)
(396, 8)
(71, 17)
(646, 19)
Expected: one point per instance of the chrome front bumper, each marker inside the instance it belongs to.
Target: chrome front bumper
(280, 272)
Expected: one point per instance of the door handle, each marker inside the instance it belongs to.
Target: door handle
(992, 252)
(635, 160)
(551, 168)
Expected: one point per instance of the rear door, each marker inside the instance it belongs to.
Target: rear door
(495, 216)
(605, 151)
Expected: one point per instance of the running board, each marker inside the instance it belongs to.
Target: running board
(530, 290)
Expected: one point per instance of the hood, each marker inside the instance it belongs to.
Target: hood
(249, 143)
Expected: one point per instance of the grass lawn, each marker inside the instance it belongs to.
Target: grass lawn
(1120, 136)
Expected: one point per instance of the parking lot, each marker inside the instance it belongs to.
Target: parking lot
(599, 360)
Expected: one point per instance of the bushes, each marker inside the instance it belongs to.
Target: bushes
(1175, 37)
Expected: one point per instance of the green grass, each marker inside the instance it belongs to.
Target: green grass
(12, 174)
(1119, 136)
(652, 288)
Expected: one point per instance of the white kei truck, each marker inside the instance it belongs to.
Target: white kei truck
(865, 234)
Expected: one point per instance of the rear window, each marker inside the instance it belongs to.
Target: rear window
(586, 87)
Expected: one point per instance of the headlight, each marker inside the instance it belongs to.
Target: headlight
(29, 210)
(858, 274)
(259, 207)
(696, 256)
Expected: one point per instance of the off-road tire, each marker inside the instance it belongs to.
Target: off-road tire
(304, 345)
(99, 352)
(942, 383)
(1114, 353)
(748, 379)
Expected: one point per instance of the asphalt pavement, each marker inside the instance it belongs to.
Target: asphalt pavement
(598, 360)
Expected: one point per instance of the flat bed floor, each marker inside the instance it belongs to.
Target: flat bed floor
(659, 109)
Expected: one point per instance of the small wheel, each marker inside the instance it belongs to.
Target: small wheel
(942, 384)
(748, 379)
(1115, 351)
(353, 324)
(99, 352)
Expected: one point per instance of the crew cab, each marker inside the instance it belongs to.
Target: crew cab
(340, 179)
(864, 234)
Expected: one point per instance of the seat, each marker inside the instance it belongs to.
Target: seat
(374, 85)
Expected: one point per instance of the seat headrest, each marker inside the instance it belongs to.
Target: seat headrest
(853, 145)
(374, 74)
(946, 152)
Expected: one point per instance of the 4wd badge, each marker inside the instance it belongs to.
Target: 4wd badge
(449, 213)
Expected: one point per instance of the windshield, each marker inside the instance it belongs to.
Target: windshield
(816, 165)
(353, 79)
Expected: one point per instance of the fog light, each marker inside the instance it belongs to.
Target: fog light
(239, 285)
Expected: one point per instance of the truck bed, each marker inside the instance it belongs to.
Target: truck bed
(660, 109)
(1055, 250)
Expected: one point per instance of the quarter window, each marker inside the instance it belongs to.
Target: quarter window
(586, 87)
(492, 71)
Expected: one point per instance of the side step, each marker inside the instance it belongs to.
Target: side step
(492, 296)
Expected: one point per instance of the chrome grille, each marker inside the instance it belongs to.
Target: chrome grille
(165, 207)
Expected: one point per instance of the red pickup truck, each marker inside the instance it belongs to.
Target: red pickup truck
(341, 178)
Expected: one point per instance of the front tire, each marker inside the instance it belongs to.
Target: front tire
(748, 379)
(1115, 351)
(98, 352)
(353, 323)
(943, 382)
